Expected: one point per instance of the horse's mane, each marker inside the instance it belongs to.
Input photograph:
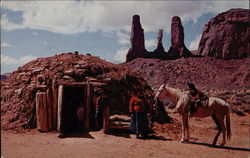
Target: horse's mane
(174, 94)
(176, 91)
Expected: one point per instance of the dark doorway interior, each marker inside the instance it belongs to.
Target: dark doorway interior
(73, 99)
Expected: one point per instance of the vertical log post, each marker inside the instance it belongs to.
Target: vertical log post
(42, 104)
(41, 111)
(94, 99)
(88, 102)
(59, 114)
(106, 119)
(49, 109)
(54, 103)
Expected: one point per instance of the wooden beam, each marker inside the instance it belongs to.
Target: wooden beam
(59, 111)
(106, 118)
(49, 109)
(54, 103)
(78, 84)
(88, 102)
(41, 111)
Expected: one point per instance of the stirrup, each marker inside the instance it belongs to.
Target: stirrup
(190, 114)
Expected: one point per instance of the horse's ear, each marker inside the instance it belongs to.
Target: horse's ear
(162, 86)
(165, 84)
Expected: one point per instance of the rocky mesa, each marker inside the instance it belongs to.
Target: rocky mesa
(227, 35)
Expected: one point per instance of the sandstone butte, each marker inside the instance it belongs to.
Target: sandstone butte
(226, 36)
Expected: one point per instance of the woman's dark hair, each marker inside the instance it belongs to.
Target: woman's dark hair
(191, 86)
(136, 90)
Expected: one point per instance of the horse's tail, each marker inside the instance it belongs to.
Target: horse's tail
(228, 123)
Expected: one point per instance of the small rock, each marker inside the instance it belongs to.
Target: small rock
(66, 77)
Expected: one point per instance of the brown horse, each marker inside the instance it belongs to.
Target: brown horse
(217, 108)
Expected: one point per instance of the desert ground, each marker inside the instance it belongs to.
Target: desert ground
(163, 143)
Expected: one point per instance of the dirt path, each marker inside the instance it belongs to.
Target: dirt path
(96, 144)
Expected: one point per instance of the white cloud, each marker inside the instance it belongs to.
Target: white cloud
(5, 44)
(120, 55)
(35, 33)
(194, 44)
(7, 60)
(222, 6)
(9, 25)
(123, 39)
(71, 17)
(150, 43)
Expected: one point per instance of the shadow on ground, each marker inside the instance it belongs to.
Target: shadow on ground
(154, 137)
(125, 132)
(120, 132)
(222, 147)
(76, 135)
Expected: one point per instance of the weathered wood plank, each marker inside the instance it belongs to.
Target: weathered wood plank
(73, 84)
(41, 111)
(54, 104)
(88, 101)
(106, 119)
(49, 109)
(59, 107)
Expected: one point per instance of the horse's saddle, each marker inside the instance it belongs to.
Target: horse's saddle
(202, 101)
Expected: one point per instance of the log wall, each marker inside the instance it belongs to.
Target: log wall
(49, 104)
(54, 104)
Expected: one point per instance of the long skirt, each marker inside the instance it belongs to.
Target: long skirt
(139, 123)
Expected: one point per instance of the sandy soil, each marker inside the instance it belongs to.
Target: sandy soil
(162, 144)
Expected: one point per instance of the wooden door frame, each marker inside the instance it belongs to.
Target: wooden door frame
(87, 103)
(59, 107)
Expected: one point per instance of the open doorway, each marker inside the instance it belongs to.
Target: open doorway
(73, 109)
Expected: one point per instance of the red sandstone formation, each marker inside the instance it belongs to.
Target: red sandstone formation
(137, 40)
(159, 52)
(206, 72)
(177, 48)
(227, 79)
(227, 35)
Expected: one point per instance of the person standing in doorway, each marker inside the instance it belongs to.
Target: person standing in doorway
(101, 102)
(139, 121)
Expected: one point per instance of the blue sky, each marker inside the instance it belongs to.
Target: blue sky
(32, 29)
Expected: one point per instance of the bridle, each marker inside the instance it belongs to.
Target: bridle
(159, 91)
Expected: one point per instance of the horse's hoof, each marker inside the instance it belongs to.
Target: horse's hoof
(223, 143)
(214, 144)
(184, 141)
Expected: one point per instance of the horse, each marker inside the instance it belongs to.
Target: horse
(217, 108)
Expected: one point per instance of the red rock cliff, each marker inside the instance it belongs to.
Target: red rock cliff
(227, 35)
